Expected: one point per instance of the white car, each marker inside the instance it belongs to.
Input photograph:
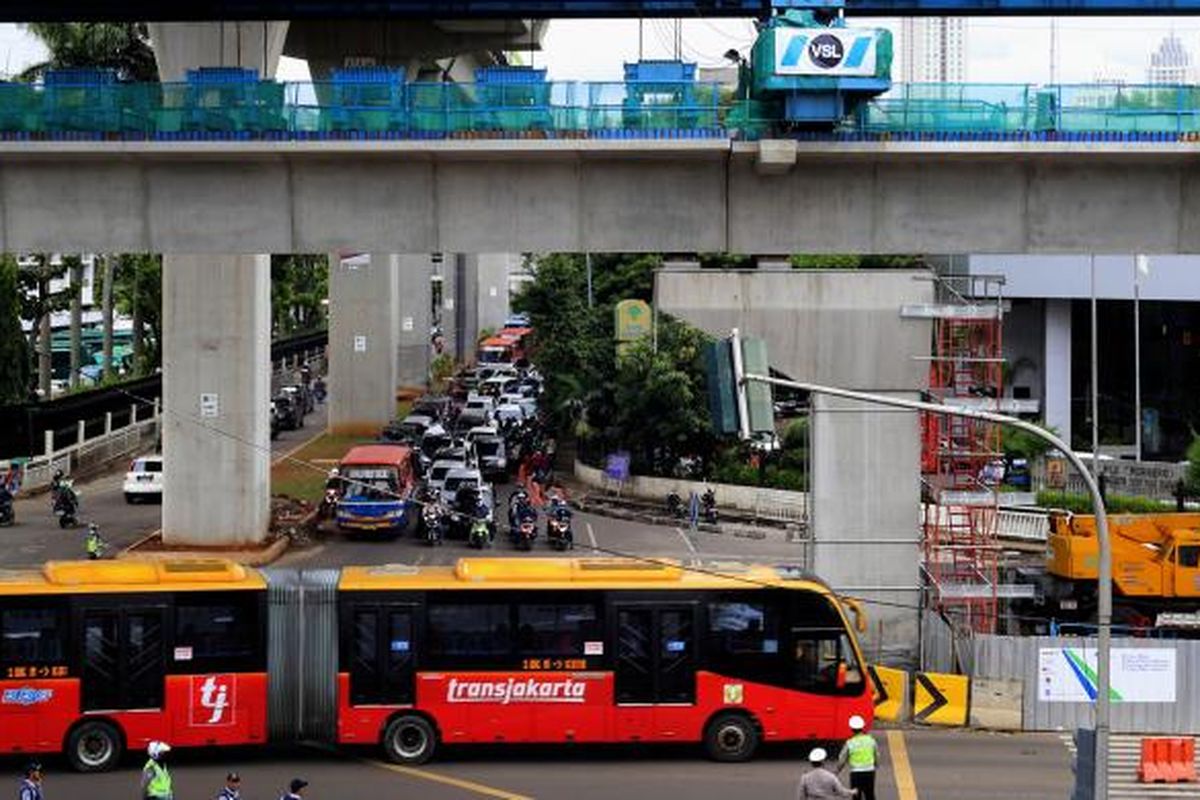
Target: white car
(484, 405)
(527, 404)
(438, 472)
(511, 412)
(143, 481)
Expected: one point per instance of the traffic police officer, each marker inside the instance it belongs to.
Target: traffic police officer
(31, 784)
(93, 542)
(156, 780)
(860, 753)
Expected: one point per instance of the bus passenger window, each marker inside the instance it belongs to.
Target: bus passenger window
(1189, 555)
(30, 636)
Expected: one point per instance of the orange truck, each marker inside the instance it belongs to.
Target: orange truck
(1156, 563)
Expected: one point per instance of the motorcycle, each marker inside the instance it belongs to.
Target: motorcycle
(328, 507)
(431, 517)
(525, 533)
(675, 505)
(558, 532)
(480, 535)
(7, 515)
(708, 506)
(66, 505)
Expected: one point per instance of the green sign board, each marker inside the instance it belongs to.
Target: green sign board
(634, 319)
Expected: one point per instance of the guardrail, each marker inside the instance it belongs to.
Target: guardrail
(88, 455)
(1024, 526)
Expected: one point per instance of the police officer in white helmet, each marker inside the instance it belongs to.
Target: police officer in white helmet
(820, 783)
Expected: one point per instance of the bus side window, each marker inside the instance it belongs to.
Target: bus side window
(31, 636)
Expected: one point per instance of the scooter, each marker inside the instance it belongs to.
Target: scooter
(480, 535)
(66, 506)
(708, 506)
(431, 517)
(526, 532)
(558, 533)
(675, 505)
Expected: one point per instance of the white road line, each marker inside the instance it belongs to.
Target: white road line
(687, 540)
(591, 535)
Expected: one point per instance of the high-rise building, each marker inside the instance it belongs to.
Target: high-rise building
(1171, 63)
(932, 50)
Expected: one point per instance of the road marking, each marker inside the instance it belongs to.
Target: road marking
(591, 535)
(687, 541)
(470, 786)
(906, 785)
(299, 447)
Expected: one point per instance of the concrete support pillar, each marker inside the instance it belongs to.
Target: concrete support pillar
(364, 328)
(216, 379)
(1056, 368)
(864, 513)
(180, 46)
(415, 292)
(466, 291)
(492, 289)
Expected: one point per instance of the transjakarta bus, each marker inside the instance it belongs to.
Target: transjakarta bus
(100, 657)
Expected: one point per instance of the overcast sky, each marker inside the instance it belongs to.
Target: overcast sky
(999, 50)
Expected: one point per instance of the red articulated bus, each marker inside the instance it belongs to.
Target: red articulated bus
(98, 658)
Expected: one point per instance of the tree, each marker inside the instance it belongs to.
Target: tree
(74, 266)
(299, 285)
(137, 285)
(14, 350)
(105, 266)
(38, 302)
(121, 46)
(850, 261)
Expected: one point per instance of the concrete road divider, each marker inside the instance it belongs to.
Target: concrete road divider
(941, 699)
(891, 693)
(996, 704)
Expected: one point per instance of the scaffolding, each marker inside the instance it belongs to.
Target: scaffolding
(962, 460)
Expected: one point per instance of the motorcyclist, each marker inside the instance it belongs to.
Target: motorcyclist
(516, 501)
(93, 542)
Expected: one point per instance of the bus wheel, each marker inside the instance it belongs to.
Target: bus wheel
(94, 747)
(731, 737)
(409, 740)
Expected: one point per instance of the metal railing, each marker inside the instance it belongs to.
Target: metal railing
(128, 441)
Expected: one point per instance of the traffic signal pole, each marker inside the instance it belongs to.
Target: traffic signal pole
(1104, 633)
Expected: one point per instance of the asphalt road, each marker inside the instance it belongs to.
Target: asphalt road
(939, 765)
(37, 538)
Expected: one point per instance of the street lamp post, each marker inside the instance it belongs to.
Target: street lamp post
(1104, 611)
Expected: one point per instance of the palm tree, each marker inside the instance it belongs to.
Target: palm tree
(121, 46)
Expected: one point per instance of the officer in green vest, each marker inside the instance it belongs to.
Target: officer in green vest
(94, 543)
(156, 780)
(860, 754)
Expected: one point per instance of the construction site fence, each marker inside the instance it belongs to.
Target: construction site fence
(324, 110)
(276, 110)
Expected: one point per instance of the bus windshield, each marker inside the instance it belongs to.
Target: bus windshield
(371, 483)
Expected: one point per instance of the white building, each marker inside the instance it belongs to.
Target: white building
(931, 50)
(1171, 63)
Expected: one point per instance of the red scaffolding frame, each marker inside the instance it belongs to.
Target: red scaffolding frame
(960, 457)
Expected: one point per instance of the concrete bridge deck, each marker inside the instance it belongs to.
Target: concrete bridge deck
(589, 195)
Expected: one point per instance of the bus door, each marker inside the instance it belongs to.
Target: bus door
(124, 659)
(383, 654)
(655, 665)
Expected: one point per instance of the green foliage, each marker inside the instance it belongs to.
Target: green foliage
(1114, 503)
(299, 284)
(122, 46)
(1022, 444)
(15, 366)
(137, 293)
(725, 261)
(850, 261)
(1192, 482)
(440, 371)
(484, 334)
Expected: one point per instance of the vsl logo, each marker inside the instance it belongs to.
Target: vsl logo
(212, 700)
(826, 50)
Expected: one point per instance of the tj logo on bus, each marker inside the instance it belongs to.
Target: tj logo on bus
(212, 700)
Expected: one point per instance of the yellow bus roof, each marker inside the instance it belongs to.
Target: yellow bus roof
(572, 573)
(130, 575)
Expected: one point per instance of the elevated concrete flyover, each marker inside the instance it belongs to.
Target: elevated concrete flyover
(599, 195)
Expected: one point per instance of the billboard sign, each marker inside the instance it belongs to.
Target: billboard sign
(1137, 675)
(825, 51)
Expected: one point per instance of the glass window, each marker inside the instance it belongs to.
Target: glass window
(30, 636)
(471, 630)
(1189, 555)
(824, 662)
(556, 629)
(743, 627)
(216, 630)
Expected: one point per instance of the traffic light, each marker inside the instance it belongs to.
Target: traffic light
(723, 386)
